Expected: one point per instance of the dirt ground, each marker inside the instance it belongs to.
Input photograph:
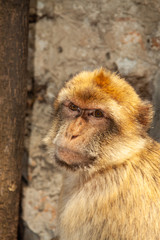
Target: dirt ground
(66, 37)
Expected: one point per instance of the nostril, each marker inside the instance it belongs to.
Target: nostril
(74, 136)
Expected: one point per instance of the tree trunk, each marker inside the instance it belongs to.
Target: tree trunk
(13, 62)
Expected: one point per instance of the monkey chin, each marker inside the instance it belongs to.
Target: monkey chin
(72, 160)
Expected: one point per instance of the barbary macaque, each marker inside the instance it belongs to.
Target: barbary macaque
(111, 185)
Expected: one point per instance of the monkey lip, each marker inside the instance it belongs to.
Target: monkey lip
(70, 157)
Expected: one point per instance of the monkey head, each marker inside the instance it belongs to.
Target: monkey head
(99, 121)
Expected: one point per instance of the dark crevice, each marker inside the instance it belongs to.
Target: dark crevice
(33, 18)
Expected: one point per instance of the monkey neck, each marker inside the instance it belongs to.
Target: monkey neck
(121, 150)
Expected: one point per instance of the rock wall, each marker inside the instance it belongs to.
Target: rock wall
(66, 37)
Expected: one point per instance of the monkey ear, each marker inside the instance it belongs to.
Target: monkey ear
(145, 115)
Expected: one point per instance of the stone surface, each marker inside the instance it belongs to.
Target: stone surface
(155, 130)
(66, 37)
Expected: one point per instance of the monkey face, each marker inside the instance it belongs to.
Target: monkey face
(80, 127)
(97, 114)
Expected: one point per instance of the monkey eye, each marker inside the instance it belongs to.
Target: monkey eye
(98, 113)
(73, 107)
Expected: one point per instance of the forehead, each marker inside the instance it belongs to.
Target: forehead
(98, 88)
(84, 97)
(82, 89)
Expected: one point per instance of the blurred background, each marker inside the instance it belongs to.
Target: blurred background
(66, 37)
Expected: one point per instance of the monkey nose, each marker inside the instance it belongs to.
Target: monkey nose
(74, 136)
(70, 136)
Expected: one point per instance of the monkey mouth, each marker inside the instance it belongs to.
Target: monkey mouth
(62, 163)
(71, 159)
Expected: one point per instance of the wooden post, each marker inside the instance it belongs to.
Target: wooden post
(13, 62)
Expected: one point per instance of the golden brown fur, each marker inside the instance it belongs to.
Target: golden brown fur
(111, 188)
